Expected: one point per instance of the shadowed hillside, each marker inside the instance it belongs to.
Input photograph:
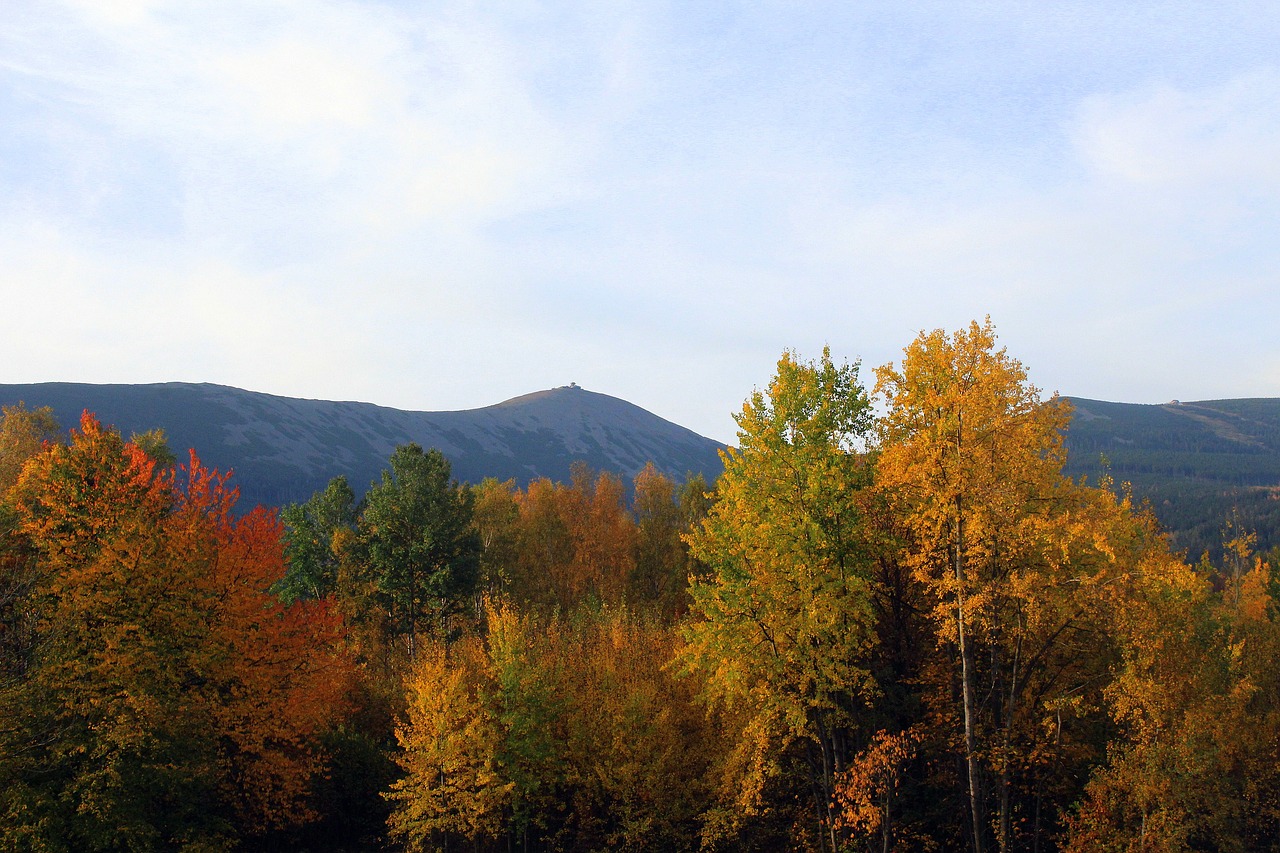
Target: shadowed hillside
(282, 449)
(1197, 463)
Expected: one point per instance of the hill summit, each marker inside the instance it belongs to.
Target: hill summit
(283, 449)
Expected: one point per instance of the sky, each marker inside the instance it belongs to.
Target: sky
(443, 205)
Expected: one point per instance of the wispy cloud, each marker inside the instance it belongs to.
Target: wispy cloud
(439, 206)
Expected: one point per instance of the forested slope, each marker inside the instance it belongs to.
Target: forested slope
(944, 644)
(1198, 463)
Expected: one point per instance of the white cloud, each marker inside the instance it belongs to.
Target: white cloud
(338, 111)
(1162, 136)
(416, 203)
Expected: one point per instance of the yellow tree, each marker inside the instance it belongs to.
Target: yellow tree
(638, 744)
(497, 521)
(23, 433)
(783, 623)
(569, 732)
(1196, 704)
(660, 579)
(453, 783)
(1014, 555)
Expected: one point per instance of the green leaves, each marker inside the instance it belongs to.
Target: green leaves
(419, 542)
(310, 534)
(783, 620)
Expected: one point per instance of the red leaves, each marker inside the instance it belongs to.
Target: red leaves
(168, 632)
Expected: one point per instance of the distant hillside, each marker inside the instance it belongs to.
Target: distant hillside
(1196, 462)
(283, 449)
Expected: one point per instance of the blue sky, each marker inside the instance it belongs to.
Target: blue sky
(441, 206)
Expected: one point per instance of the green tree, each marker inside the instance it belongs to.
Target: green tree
(155, 444)
(419, 542)
(313, 539)
(783, 620)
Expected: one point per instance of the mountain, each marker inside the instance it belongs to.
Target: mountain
(1198, 463)
(283, 449)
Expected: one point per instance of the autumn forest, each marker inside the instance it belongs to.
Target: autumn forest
(887, 626)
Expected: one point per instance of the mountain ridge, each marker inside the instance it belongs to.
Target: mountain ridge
(1199, 463)
(1202, 465)
(284, 448)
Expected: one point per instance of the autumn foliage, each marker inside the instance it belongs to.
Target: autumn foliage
(893, 627)
(168, 698)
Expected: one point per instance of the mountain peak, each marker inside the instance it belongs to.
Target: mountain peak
(282, 449)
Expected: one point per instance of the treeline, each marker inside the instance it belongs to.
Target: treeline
(904, 632)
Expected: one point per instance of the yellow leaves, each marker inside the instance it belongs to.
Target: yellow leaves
(23, 433)
(503, 732)
(450, 742)
(1253, 593)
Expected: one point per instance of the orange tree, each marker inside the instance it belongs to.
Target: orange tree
(168, 699)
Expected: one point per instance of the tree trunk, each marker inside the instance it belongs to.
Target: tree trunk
(966, 676)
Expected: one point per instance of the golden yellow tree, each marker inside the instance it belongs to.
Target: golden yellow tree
(453, 781)
(1019, 560)
(1196, 707)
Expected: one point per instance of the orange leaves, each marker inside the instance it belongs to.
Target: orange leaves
(72, 498)
(278, 678)
(166, 667)
(281, 677)
(566, 543)
(866, 788)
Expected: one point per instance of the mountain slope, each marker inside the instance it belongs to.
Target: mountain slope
(1198, 463)
(282, 449)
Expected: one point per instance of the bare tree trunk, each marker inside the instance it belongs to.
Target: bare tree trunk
(966, 675)
(1011, 708)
